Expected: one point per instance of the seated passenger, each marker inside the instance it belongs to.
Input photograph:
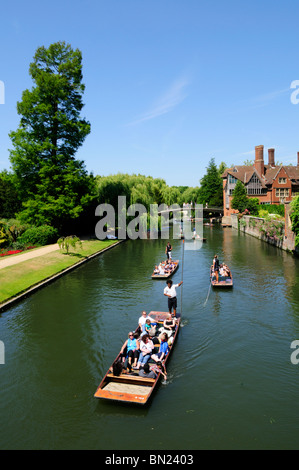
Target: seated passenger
(146, 348)
(117, 368)
(156, 270)
(163, 350)
(221, 270)
(130, 350)
(146, 372)
(228, 273)
(142, 321)
(147, 325)
(159, 367)
(161, 269)
(169, 323)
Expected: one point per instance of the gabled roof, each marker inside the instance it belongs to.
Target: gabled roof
(244, 173)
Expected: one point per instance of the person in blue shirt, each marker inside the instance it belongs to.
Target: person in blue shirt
(163, 349)
(130, 350)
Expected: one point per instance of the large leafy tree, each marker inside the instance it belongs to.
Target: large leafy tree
(53, 185)
(211, 186)
(9, 197)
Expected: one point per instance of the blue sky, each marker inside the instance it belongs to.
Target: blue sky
(169, 83)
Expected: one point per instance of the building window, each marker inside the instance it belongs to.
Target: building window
(232, 179)
(279, 192)
(254, 186)
(282, 180)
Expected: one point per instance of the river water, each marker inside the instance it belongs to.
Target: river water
(231, 383)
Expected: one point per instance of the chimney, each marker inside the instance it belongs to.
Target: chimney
(271, 158)
(259, 159)
(298, 159)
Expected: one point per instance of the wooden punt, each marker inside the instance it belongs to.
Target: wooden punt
(130, 387)
(223, 281)
(168, 274)
(198, 238)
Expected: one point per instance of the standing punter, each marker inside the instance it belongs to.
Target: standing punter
(170, 292)
(168, 250)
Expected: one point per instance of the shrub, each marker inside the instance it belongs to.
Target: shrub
(71, 241)
(274, 209)
(272, 229)
(294, 215)
(42, 235)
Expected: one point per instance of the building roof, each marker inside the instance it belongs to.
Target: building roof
(245, 172)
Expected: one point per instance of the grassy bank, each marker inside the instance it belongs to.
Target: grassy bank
(17, 279)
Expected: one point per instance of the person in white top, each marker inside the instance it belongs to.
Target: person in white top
(170, 292)
(142, 320)
(161, 269)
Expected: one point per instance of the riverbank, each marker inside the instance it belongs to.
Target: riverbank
(26, 275)
(275, 232)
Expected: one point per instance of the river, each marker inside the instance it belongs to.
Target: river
(231, 383)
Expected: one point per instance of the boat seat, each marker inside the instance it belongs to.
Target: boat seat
(131, 377)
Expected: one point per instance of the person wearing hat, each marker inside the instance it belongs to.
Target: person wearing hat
(170, 292)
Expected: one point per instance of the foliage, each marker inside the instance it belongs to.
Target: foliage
(252, 222)
(294, 216)
(253, 204)
(240, 199)
(222, 168)
(191, 194)
(141, 189)
(211, 186)
(53, 186)
(41, 235)
(10, 231)
(273, 209)
(10, 203)
(65, 243)
(272, 229)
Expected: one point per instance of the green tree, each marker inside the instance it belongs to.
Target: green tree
(222, 167)
(53, 185)
(240, 199)
(294, 216)
(253, 205)
(211, 186)
(65, 243)
(9, 197)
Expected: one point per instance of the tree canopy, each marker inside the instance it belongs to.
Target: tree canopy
(52, 184)
(211, 185)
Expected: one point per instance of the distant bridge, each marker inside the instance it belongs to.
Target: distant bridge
(213, 210)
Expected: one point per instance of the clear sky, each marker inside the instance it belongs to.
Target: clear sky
(169, 83)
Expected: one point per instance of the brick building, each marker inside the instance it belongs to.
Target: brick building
(270, 183)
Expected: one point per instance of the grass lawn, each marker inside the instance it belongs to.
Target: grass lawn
(18, 278)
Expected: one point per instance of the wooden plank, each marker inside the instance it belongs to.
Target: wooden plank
(131, 378)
